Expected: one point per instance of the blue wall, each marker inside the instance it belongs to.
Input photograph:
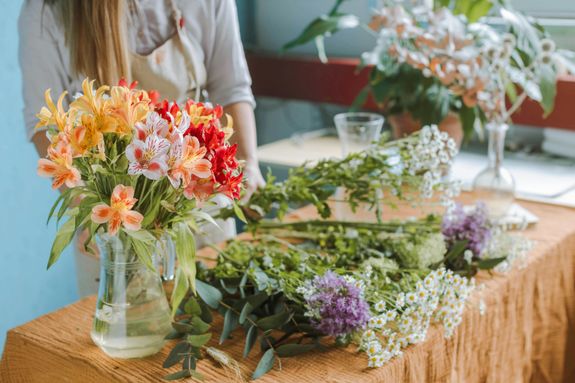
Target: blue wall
(27, 290)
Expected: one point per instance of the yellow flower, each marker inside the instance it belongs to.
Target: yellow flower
(95, 105)
(128, 107)
(52, 115)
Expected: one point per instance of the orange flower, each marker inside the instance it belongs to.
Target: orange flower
(120, 212)
(128, 107)
(59, 166)
(186, 159)
(52, 115)
(199, 189)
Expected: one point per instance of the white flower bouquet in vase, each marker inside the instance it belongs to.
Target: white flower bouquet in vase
(136, 174)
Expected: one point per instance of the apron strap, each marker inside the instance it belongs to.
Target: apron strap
(179, 21)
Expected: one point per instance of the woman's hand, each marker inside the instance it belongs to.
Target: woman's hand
(253, 177)
(245, 136)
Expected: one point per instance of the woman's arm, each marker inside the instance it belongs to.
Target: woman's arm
(41, 62)
(245, 137)
(229, 84)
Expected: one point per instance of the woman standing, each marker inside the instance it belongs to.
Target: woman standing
(183, 49)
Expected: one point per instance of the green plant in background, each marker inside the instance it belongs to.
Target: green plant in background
(432, 62)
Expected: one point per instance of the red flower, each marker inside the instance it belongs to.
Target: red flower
(232, 187)
(167, 110)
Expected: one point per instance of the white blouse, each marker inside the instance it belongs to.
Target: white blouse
(45, 59)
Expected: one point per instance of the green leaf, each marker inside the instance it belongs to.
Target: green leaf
(179, 375)
(294, 349)
(230, 324)
(206, 314)
(265, 364)
(199, 340)
(360, 99)
(246, 310)
(478, 9)
(456, 249)
(144, 244)
(174, 334)
(206, 217)
(322, 26)
(487, 264)
(274, 321)
(467, 117)
(192, 307)
(177, 354)
(186, 253)
(62, 240)
(183, 328)
(209, 294)
(152, 213)
(239, 213)
(548, 86)
(55, 205)
(253, 302)
(181, 288)
(199, 326)
(251, 338)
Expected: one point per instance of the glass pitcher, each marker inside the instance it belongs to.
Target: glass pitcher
(132, 313)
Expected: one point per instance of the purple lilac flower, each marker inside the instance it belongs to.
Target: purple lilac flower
(336, 305)
(472, 226)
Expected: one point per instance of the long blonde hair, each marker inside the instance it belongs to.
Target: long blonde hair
(95, 33)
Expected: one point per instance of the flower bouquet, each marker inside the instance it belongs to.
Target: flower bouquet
(137, 173)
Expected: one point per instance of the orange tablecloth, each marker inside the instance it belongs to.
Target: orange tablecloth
(527, 334)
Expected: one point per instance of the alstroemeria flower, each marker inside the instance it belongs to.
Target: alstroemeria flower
(187, 160)
(53, 115)
(199, 189)
(232, 187)
(129, 107)
(155, 124)
(148, 157)
(119, 212)
(59, 166)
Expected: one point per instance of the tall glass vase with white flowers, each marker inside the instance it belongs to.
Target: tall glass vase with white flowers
(137, 172)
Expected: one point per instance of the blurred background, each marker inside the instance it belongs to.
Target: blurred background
(27, 290)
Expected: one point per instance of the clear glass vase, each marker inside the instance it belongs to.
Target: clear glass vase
(495, 185)
(357, 131)
(132, 313)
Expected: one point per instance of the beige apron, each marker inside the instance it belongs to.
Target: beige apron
(175, 71)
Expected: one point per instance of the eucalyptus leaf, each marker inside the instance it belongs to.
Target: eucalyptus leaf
(199, 326)
(294, 349)
(251, 337)
(179, 375)
(230, 324)
(199, 340)
(274, 321)
(177, 354)
(265, 364)
(192, 307)
(209, 294)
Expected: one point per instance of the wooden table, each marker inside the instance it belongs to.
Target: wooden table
(526, 334)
